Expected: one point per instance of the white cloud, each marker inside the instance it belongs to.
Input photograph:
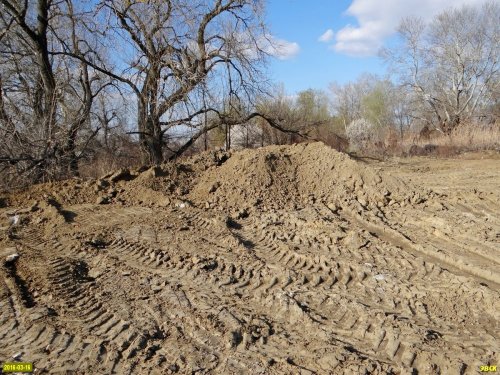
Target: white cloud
(326, 36)
(378, 20)
(249, 45)
(280, 48)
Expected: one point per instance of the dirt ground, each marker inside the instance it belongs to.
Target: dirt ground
(283, 260)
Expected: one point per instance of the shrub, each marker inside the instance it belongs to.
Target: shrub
(360, 133)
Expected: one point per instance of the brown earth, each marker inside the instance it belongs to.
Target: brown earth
(282, 260)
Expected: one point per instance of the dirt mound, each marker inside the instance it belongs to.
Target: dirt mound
(275, 177)
(158, 185)
(272, 177)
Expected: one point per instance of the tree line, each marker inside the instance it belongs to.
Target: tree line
(78, 78)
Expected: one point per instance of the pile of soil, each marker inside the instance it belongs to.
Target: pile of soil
(272, 177)
(283, 176)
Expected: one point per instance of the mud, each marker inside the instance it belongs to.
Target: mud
(281, 260)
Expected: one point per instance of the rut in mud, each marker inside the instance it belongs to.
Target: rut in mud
(282, 260)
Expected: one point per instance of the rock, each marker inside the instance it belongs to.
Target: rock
(98, 241)
(362, 202)
(156, 288)
(355, 241)
(164, 202)
(437, 206)
(11, 258)
(214, 187)
(101, 184)
(246, 338)
(95, 273)
(242, 214)
(181, 190)
(102, 200)
(41, 312)
(174, 368)
(182, 204)
(332, 206)
(17, 356)
(14, 219)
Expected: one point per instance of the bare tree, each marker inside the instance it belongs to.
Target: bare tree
(280, 107)
(348, 99)
(452, 63)
(45, 101)
(176, 49)
(402, 101)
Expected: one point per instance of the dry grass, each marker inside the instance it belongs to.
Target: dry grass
(104, 162)
(468, 137)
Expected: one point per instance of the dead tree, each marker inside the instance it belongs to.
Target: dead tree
(178, 48)
(45, 99)
(452, 62)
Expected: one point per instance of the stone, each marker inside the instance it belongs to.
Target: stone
(362, 202)
(11, 258)
(332, 206)
(94, 273)
(102, 200)
(101, 184)
(164, 202)
(17, 356)
(214, 187)
(14, 220)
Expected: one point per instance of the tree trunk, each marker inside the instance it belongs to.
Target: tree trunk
(228, 137)
(150, 140)
(45, 66)
(449, 124)
(70, 154)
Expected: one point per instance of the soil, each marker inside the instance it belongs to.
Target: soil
(281, 260)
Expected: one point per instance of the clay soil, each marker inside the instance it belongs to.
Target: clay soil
(282, 260)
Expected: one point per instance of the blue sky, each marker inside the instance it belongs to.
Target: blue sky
(358, 28)
(316, 64)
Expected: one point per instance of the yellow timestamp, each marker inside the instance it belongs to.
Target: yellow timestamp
(488, 368)
(17, 367)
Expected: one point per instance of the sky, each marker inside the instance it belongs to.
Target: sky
(324, 41)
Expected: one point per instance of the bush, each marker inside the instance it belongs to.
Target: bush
(360, 133)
